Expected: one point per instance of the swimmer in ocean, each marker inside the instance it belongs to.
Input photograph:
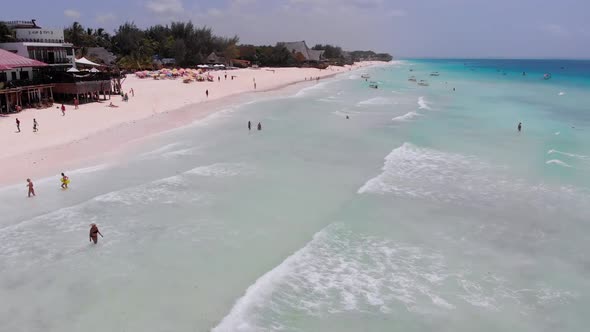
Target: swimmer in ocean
(94, 232)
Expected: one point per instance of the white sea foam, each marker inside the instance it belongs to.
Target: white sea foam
(220, 170)
(339, 271)
(423, 104)
(377, 101)
(342, 271)
(557, 162)
(557, 133)
(412, 171)
(160, 150)
(561, 93)
(571, 155)
(407, 117)
(91, 169)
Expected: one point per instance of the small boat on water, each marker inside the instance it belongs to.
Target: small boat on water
(423, 83)
(374, 86)
(365, 76)
(412, 79)
(435, 74)
(547, 76)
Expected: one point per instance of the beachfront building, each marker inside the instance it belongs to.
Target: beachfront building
(217, 59)
(19, 86)
(300, 47)
(37, 43)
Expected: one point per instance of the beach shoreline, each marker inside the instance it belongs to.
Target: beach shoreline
(92, 135)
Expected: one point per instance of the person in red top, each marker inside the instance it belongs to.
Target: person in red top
(76, 103)
(18, 125)
(63, 110)
(31, 189)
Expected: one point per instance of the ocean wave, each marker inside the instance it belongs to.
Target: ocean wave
(340, 271)
(423, 104)
(416, 172)
(557, 162)
(407, 117)
(377, 101)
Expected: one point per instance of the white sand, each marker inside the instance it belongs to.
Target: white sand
(96, 129)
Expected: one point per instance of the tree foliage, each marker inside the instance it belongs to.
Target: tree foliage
(6, 34)
(189, 45)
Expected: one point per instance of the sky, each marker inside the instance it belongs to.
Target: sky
(404, 28)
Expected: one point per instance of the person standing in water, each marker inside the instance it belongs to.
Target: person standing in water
(31, 187)
(249, 125)
(64, 181)
(519, 127)
(94, 232)
(259, 126)
(18, 125)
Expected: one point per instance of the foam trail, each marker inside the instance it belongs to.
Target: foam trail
(557, 162)
(571, 155)
(562, 93)
(406, 117)
(423, 104)
(377, 101)
(237, 319)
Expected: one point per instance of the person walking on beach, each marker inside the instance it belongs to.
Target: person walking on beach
(259, 126)
(207, 93)
(63, 110)
(35, 125)
(519, 127)
(18, 125)
(254, 85)
(64, 181)
(218, 79)
(249, 125)
(132, 92)
(76, 103)
(94, 232)
(31, 187)
(225, 76)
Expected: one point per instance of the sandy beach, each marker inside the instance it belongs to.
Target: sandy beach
(96, 130)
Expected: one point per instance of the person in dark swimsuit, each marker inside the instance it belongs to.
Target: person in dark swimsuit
(259, 126)
(94, 232)
(519, 127)
(249, 125)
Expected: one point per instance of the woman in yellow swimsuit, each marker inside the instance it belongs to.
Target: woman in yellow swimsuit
(64, 181)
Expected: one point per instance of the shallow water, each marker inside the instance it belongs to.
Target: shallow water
(425, 210)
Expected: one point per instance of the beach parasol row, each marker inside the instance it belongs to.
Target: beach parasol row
(187, 75)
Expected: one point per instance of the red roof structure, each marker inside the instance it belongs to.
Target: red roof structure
(9, 60)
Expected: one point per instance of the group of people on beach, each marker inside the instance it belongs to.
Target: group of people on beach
(35, 125)
(65, 181)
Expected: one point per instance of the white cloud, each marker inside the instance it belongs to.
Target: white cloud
(214, 12)
(165, 6)
(104, 18)
(72, 13)
(555, 30)
(397, 13)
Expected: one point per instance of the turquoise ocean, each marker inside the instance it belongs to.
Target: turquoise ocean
(426, 210)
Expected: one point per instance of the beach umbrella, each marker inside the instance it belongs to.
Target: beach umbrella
(94, 70)
(73, 70)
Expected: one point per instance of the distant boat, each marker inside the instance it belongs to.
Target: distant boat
(423, 83)
(412, 79)
(547, 76)
(435, 74)
(374, 86)
(365, 76)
